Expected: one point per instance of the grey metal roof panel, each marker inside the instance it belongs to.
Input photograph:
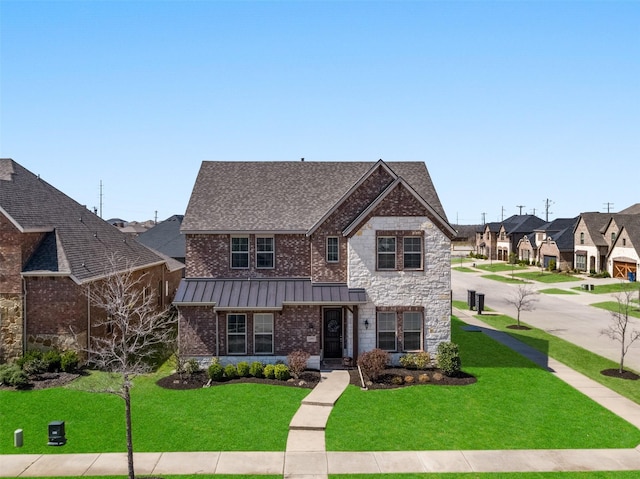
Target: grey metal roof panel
(83, 239)
(283, 195)
(264, 293)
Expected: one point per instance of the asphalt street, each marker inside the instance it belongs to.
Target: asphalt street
(567, 316)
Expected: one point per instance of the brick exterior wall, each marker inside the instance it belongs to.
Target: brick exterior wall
(209, 256)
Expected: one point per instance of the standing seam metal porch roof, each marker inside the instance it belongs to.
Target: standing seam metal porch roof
(255, 294)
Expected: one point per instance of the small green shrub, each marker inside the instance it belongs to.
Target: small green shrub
(373, 362)
(281, 372)
(243, 369)
(269, 371)
(192, 366)
(12, 375)
(419, 360)
(69, 361)
(215, 372)
(28, 356)
(449, 358)
(256, 369)
(397, 380)
(297, 361)
(53, 360)
(34, 367)
(230, 371)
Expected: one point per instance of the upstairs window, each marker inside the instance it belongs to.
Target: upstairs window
(582, 238)
(239, 252)
(333, 254)
(265, 252)
(613, 236)
(386, 252)
(412, 252)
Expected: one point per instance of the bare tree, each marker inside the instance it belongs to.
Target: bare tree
(135, 329)
(523, 299)
(619, 328)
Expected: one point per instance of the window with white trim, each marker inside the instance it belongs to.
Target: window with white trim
(386, 252)
(239, 252)
(333, 252)
(387, 330)
(237, 333)
(412, 254)
(263, 333)
(581, 262)
(265, 252)
(412, 330)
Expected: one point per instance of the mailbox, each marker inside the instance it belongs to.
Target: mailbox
(56, 434)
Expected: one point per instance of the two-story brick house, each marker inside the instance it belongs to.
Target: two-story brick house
(52, 250)
(334, 258)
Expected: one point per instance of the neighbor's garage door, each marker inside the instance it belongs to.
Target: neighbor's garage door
(621, 268)
(549, 259)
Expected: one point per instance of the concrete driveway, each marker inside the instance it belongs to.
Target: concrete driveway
(567, 316)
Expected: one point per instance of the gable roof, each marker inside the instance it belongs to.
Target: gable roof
(522, 224)
(631, 210)
(594, 222)
(77, 242)
(560, 231)
(166, 238)
(284, 196)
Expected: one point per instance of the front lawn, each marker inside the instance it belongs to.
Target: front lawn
(514, 405)
(500, 267)
(614, 306)
(503, 279)
(612, 288)
(547, 277)
(238, 417)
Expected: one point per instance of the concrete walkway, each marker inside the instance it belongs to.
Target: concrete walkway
(306, 458)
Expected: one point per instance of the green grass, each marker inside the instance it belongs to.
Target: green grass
(514, 405)
(464, 269)
(612, 288)
(499, 475)
(499, 267)
(547, 277)
(556, 291)
(614, 307)
(238, 417)
(503, 279)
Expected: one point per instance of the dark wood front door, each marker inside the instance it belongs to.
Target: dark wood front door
(332, 330)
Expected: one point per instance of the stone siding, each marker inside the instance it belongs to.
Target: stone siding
(11, 324)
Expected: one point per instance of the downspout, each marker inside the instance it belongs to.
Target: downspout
(88, 317)
(24, 315)
(217, 333)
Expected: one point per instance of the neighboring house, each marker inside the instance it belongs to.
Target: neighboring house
(622, 234)
(596, 235)
(333, 258)
(498, 240)
(631, 210)
(528, 249)
(52, 250)
(166, 238)
(556, 243)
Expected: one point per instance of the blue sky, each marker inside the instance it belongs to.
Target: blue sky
(507, 103)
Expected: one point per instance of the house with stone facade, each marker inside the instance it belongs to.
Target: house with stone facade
(333, 258)
(52, 251)
(555, 243)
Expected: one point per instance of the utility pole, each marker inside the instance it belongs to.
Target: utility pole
(609, 206)
(155, 221)
(502, 214)
(520, 208)
(547, 204)
(484, 218)
(100, 198)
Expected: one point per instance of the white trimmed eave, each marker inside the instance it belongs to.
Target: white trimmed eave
(445, 226)
(350, 192)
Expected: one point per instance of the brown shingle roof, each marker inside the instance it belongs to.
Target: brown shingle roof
(77, 242)
(283, 196)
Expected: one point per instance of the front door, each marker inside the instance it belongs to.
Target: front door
(332, 333)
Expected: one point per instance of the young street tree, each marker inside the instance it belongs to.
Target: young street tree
(523, 299)
(619, 328)
(134, 329)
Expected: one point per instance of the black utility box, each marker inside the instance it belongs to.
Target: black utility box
(56, 434)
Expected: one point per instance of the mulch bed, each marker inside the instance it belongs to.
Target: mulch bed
(515, 326)
(614, 373)
(308, 379)
(45, 381)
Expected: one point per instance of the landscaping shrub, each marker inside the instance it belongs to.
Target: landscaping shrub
(53, 360)
(215, 372)
(373, 362)
(281, 372)
(192, 366)
(12, 375)
(243, 369)
(256, 369)
(269, 371)
(34, 367)
(28, 356)
(297, 361)
(230, 371)
(69, 361)
(420, 360)
(449, 358)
